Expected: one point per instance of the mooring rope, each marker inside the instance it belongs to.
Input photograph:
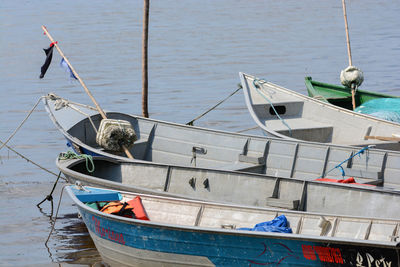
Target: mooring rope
(262, 81)
(73, 155)
(339, 166)
(248, 129)
(55, 218)
(212, 108)
(62, 102)
(49, 197)
(16, 130)
(30, 161)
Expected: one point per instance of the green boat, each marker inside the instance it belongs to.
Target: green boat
(340, 95)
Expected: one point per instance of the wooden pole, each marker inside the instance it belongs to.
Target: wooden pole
(347, 33)
(353, 92)
(145, 38)
(75, 73)
(103, 115)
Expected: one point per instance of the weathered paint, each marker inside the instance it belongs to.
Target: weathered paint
(224, 249)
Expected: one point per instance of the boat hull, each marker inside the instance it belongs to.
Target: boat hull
(187, 146)
(284, 113)
(340, 95)
(135, 244)
(235, 187)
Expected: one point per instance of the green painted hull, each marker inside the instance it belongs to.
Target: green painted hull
(339, 95)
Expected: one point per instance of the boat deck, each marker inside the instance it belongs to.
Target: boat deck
(302, 128)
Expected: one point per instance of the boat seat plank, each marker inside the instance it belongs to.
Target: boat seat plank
(96, 194)
(239, 166)
(296, 124)
(301, 128)
(283, 203)
(250, 159)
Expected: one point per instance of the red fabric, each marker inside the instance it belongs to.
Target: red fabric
(138, 208)
(350, 180)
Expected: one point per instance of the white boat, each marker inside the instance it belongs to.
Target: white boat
(283, 113)
(187, 146)
(235, 187)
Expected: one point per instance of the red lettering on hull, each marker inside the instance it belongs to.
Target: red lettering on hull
(106, 233)
(325, 254)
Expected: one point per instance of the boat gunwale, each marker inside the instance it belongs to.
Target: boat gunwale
(66, 168)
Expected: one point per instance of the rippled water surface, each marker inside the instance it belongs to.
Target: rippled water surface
(196, 49)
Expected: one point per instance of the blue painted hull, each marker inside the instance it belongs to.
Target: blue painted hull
(227, 248)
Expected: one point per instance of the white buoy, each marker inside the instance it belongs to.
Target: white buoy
(351, 77)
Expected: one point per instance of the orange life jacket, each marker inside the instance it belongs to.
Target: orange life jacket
(131, 209)
(138, 208)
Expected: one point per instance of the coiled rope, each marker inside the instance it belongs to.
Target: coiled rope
(257, 86)
(73, 155)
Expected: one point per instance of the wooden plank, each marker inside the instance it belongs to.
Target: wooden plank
(382, 138)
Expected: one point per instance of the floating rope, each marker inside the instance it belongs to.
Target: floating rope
(219, 103)
(339, 166)
(73, 155)
(257, 86)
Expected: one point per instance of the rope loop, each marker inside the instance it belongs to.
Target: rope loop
(73, 155)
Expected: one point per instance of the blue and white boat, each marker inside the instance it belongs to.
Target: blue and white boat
(194, 233)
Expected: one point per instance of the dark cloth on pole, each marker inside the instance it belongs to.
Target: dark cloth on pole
(49, 56)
